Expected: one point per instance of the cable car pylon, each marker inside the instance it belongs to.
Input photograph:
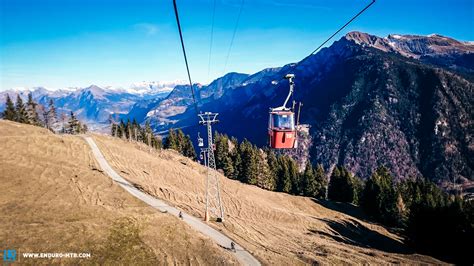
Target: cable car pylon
(214, 208)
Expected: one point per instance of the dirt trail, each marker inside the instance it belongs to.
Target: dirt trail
(277, 228)
(243, 256)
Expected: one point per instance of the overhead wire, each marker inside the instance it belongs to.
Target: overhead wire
(212, 37)
(335, 33)
(184, 53)
(339, 30)
(233, 34)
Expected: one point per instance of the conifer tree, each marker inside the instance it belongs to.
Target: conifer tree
(41, 110)
(273, 167)
(32, 114)
(172, 140)
(113, 130)
(265, 177)
(50, 116)
(78, 128)
(121, 130)
(180, 140)
(249, 169)
(379, 197)
(342, 186)
(228, 166)
(148, 133)
(159, 142)
(321, 181)
(10, 112)
(73, 124)
(401, 211)
(309, 184)
(294, 177)
(236, 160)
(188, 148)
(45, 118)
(85, 128)
(142, 136)
(128, 130)
(221, 150)
(21, 115)
(223, 154)
(63, 123)
(135, 130)
(284, 175)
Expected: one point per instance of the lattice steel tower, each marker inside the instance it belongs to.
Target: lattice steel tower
(214, 206)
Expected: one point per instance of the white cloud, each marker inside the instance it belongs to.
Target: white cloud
(148, 28)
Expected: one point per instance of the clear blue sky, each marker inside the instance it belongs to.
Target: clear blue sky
(62, 43)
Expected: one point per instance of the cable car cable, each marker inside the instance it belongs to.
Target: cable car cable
(184, 53)
(212, 37)
(233, 35)
(339, 30)
(334, 34)
(345, 25)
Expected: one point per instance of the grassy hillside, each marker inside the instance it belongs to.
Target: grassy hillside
(54, 198)
(277, 228)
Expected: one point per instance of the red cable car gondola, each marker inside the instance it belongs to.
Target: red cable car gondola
(281, 123)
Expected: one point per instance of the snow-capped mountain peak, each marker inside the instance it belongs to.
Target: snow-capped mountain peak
(415, 46)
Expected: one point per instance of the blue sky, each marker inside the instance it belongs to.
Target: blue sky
(63, 43)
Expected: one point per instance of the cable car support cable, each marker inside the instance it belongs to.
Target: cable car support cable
(233, 34)
(340, 29)
(211, 41)
(184, 53)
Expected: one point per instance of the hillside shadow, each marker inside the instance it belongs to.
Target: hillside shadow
(354, 233)
(343, 207)
(353, 211)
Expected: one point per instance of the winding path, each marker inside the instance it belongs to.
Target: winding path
(222, 240)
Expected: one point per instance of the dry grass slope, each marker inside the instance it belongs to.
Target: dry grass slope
(54, 199)
(277, 228)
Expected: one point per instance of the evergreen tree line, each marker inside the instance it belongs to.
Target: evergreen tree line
(133, 131)
(433, 221)
(175, 140)
(262, 167)
(35, 114)
(180, 142)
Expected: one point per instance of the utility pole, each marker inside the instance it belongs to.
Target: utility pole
(214, 206)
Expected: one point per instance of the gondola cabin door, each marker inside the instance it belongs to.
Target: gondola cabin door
(282, 130)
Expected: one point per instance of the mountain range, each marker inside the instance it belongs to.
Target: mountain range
(403, 101)
(93, 104)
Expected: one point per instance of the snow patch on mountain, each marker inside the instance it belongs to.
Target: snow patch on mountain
(152, 87)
